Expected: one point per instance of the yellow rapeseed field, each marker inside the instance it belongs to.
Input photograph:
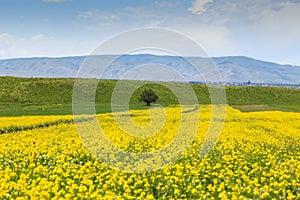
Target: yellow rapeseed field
(256, 157)
(30, 120)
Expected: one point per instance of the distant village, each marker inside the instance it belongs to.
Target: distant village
(249, 83)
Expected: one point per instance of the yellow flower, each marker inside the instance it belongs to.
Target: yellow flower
(257, 156)
(176, 192)
(194, 191)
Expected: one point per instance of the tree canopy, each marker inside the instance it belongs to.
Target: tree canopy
(148, 96)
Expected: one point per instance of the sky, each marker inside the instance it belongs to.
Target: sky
(263, 29)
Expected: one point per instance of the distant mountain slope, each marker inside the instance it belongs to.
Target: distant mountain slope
(232, 69)
(41, 67)
(239, 68)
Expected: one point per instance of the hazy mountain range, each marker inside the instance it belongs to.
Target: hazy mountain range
(232, 69)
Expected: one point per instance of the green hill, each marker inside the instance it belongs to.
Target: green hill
(45, 96)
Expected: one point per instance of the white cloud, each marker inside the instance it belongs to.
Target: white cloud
(283, 22)
(279, 29)
(4, 35)
(97, 15)
(265, 29)
(154, 24)
(199, 6)
(41, 45)
(214, 40)
(4, 41)
(38, 37)
(258, 21)
(35, 45)
(164, 4)
(288, 4)
(96, 20)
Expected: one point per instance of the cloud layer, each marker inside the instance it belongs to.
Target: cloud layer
(266, 29)
(199, 6)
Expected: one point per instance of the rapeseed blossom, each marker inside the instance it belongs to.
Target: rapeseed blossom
(257, 156)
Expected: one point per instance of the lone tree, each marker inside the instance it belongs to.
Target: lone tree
(148, 96)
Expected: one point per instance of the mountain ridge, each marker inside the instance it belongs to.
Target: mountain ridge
(231, 68)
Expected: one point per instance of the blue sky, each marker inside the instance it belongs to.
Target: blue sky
(263, 29)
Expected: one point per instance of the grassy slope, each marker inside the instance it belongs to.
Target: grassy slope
(22, 96)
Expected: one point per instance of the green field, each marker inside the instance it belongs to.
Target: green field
(45, 96)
